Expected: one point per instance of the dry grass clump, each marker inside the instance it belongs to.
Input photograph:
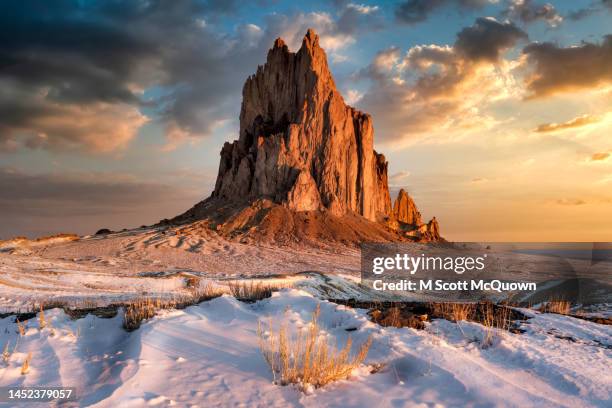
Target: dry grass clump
(556, 306)
(192, 282)
(20, 327)
(252, 291)
(6, 354)
(42, 323)
(306, 358)
(397, 317)
(145, 308)
(25, 368)
(139, 310)
(201, 293)
(493, 318)
(453, 311)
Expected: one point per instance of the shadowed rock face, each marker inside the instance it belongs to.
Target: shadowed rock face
(300, 145)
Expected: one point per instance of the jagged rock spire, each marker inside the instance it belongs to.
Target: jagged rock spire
(405, 210)
(300, 144)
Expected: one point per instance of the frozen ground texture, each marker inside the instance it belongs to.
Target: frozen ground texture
(208, 355)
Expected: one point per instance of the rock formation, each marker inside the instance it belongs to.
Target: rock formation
(300, 144)
(405, 210)
(301, 147)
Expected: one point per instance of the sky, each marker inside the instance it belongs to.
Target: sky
(495, 115)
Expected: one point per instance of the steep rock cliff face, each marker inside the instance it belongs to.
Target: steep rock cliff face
(300, 145)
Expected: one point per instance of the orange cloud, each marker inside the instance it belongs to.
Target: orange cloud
(574, 123)
(600, 156)
(571, 201)
(479, 180)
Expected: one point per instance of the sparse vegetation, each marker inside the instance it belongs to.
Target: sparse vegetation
(398, 317)
(305, 358)
(145, 308)
(20, 327)
(453, 311)
(42, 323)
(206, 292)
(492, 317)
(414, 314)
(6, 354)
(141, 309)
(556, 306)
(192, 282)
(252, 291)
(25, 368)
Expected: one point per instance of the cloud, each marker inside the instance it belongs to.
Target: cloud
(478, 180)
(437, 87)
(417, 11)
(35, 121)
(529, 11)
(571, 201)
(600, 156)
(353, 96)
(167, 62)
(335, 31)
(558, 69)
(570, 124)
(399, 179)
(596, 7)
(95, 59)
(38, 204)
(487, 38)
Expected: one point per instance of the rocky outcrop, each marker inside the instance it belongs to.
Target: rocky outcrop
(300, 145)
(303, 149)
(405, 210)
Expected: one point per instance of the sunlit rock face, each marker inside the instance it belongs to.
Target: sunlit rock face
(300, 144)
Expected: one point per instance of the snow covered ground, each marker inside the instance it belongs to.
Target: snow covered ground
(208, 355)
(151, 262)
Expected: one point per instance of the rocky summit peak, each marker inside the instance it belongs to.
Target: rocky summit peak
(311, 39)
(301, 147)
(279, 43)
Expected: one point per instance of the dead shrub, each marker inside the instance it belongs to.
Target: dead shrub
(305, 358)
